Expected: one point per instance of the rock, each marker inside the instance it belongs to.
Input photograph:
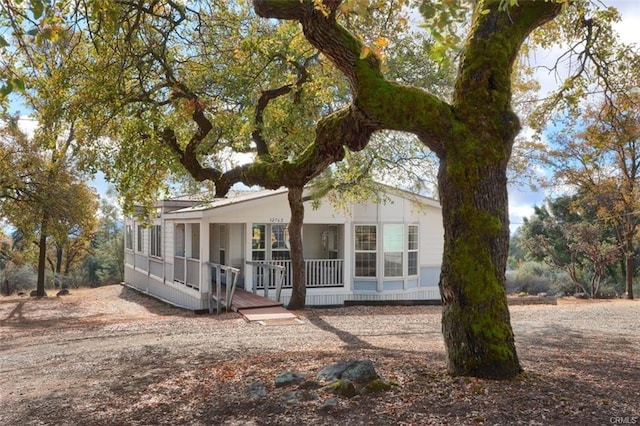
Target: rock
(256, 390)
(329, 403)
(377, 385)
(581, 296)
(287, 378)
(543, 294)
(358, 371)
(22, 294)
(290, 398)
(63, 292)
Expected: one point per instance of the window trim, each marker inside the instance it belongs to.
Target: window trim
(128, 237)
(356, 251)
(155, 241)
(416, 250)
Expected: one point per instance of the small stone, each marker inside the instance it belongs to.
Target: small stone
(256, 390)
(287, 378)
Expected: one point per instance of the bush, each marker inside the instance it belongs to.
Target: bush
(535, 277)
(15, 279)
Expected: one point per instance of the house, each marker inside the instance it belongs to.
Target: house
(385, 251)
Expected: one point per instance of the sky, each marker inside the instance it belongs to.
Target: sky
(521, 198)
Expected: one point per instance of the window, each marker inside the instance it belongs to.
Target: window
(156, 241)
(393, 250)
(280, 242)
(195, 241)
(128, 237)
(258, 237)
(179, 236)
(365, 250)
(139, 247)
(412, 250)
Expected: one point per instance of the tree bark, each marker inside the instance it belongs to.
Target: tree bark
(299, 291)
(475, 318)
(629, 268)
(42, 259)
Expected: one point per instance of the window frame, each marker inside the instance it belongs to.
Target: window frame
(392, 269)
(413, 251)
(368, 251)
(128, 237)
(155, 241)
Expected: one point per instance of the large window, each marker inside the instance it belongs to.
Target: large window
(365, 250)
(393, 241)
(156, 241)
(128, 237)
(412, 250)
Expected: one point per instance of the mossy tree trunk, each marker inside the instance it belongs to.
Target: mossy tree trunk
(475, 319)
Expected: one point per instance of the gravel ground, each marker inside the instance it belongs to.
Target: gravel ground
(111, 356)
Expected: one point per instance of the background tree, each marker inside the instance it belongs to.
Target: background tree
(568, 235)
(105, 265)
(599, 154)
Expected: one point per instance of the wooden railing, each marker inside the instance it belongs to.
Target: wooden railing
(222, 275)
(318, 273)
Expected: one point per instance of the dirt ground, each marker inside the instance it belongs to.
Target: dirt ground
(111, 356)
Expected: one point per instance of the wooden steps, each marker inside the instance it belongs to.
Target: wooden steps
(257, 308)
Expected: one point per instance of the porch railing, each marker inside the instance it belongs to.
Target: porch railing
(226, 276)
(318, 273)
(269, 274)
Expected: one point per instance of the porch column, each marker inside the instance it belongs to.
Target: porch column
(205, 270)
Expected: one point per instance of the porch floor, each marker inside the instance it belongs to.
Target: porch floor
(258, 308)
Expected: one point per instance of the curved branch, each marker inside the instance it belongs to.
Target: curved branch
(383, 104)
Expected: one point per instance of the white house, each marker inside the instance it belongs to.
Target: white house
(387, 251)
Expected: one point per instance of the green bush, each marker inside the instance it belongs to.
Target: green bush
(535, 277)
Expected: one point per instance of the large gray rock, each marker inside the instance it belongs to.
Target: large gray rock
(358, 371)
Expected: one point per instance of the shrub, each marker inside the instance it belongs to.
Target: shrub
(15, 279)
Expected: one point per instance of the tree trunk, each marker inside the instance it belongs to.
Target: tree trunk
(629, 268)
(299, 290)
(475, 318)
(42, 259)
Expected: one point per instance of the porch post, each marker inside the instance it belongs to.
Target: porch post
(205, 258)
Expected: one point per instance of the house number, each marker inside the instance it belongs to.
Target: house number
(276, 220)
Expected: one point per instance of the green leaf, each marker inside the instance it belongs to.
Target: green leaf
(18, 84)
(37, 8)
(3, 42)
(6, 89)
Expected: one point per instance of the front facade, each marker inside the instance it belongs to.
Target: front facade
(387, 251)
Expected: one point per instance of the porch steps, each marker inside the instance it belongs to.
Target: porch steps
(257, 308)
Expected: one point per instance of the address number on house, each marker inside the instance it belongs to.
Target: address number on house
(276, 220)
